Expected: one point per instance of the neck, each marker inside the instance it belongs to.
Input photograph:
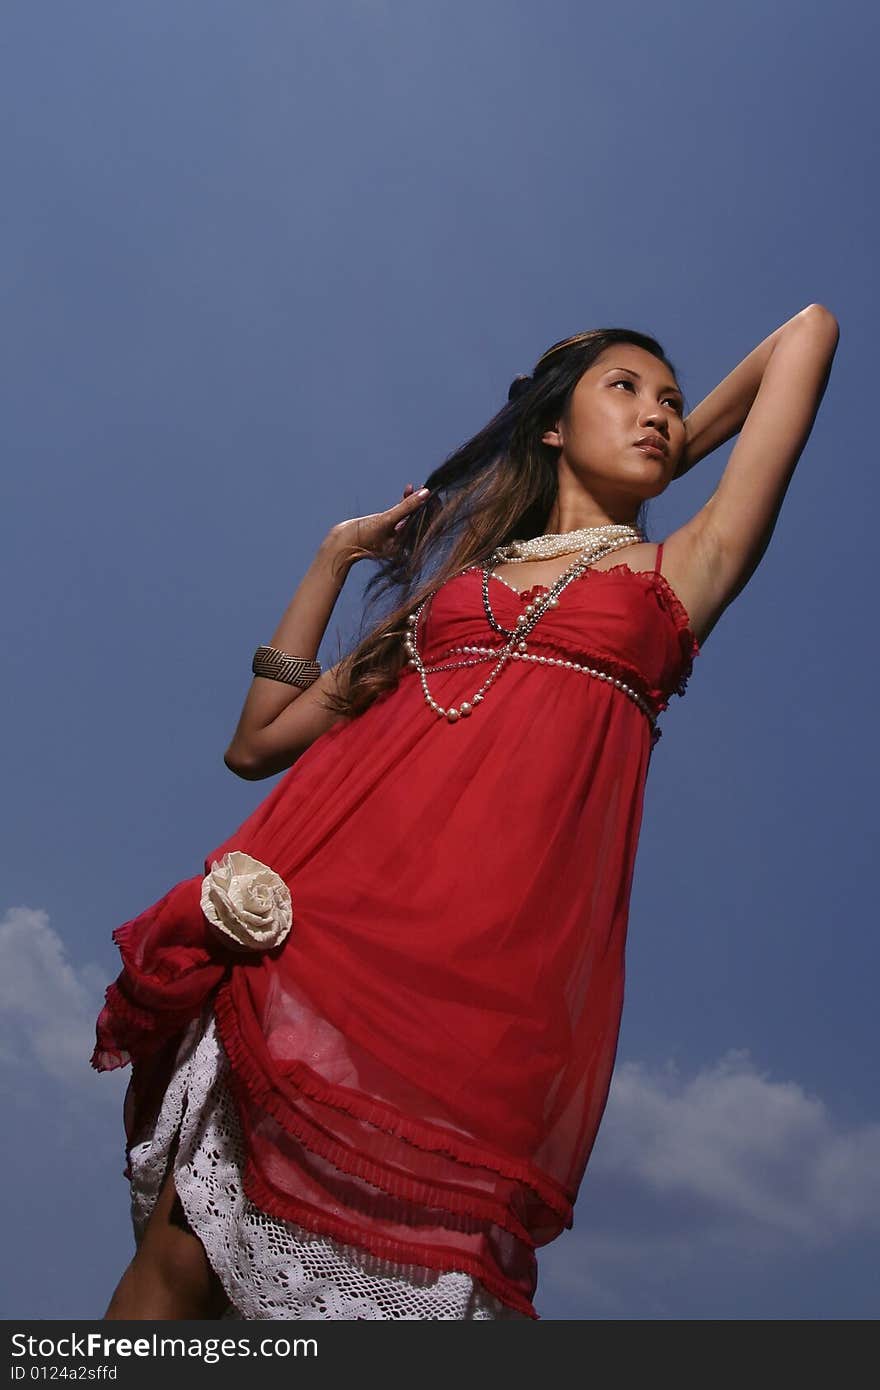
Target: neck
(564, 519)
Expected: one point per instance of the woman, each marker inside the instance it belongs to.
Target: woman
(372, 1043)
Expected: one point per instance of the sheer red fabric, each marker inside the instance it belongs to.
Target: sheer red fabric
(421, 1067)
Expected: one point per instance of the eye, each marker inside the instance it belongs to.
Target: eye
(676, 403)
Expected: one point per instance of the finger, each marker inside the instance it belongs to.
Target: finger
(417, 498)
(410, 501)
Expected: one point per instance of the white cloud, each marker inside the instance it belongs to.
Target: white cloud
(48, 1007)
(750, 1152)
(700, 1186)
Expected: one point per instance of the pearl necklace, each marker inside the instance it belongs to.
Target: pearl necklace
(515, 648)
(562, 543)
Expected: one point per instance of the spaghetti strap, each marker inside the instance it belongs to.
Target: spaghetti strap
(659, 558)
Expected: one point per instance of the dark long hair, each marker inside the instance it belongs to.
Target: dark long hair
(498, 487)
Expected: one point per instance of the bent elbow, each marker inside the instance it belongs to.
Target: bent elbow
(241, 765)
(818, 313)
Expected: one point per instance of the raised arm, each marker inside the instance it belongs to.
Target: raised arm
(772, 398)
(280, 721)
(299, 633)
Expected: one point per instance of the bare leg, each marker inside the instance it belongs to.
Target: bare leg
(170, 1275)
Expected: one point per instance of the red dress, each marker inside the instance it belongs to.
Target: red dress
(421, 1067)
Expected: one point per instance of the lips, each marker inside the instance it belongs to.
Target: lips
(654, 442)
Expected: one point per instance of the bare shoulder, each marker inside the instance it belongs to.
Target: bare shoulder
(693, 565)
(690, 564)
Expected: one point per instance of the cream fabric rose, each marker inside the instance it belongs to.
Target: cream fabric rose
(247, 901)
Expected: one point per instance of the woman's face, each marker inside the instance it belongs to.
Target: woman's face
(627, 393)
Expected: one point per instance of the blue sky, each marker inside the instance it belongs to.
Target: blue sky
(262, 265)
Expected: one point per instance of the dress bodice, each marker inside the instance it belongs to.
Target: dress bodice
(628, 623)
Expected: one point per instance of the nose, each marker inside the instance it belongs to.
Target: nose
(653, 418)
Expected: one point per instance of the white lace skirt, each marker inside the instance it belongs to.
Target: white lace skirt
(271, 1268)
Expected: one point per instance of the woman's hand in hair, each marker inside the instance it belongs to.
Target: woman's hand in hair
(367, 537)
